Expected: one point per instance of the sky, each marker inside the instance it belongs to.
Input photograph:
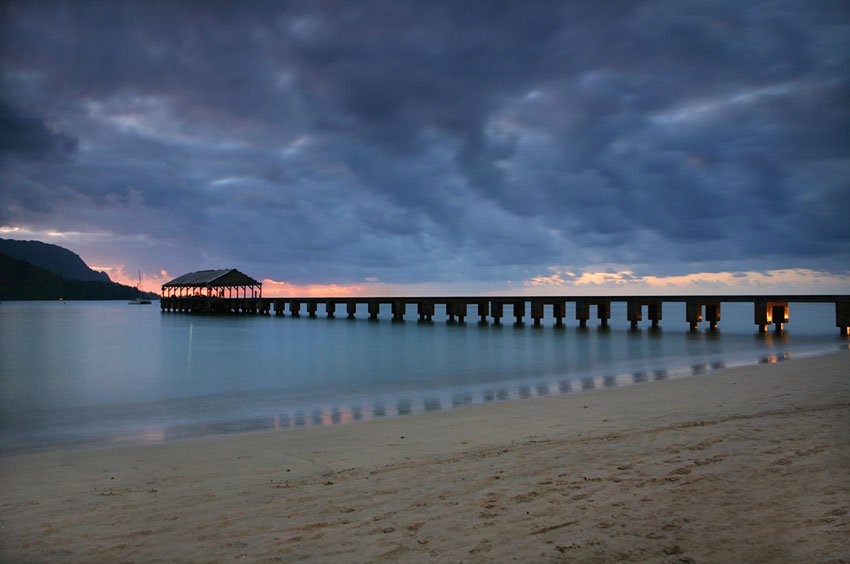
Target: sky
(334, 148)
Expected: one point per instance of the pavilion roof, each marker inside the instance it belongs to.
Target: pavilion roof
(213, 278)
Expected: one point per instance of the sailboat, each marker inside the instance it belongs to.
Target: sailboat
(139, 301)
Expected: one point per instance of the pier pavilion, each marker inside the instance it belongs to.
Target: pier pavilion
(214, 291)
(214, 283)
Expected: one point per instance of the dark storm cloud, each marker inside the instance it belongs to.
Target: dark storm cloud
(29, 137)
(434, 141)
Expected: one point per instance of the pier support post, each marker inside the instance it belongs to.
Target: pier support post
(398, 311)
(295, 308)
(712, 315)
(693, 314)
(351, 309)
(497, 312)
(762, 318)
(582, 313)
(460, 311)
(330, 309)
(771, 312)
(559, 312)
(279, 306)
(483, 312)
(311, 308)
(536, 311)
(654, 313)
(603, 313)
(450, 312)
(425, 311)
(374, 309)
(842, 318)
(519, 312)
(633, 313)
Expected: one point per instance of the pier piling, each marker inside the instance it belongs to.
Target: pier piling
(483, 312)
(842, 318)
(519, 312)
(497, 312)
(633, 313)
(398, 310)
(559, 312)
(460, 310)
(771, 312)
(425, 311)
(694, 313)
(712, 315)
(536, 312)
(654, 310)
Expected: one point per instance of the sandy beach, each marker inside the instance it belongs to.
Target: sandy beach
(743, 464)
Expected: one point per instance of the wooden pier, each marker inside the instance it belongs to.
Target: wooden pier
(231, 291)
(768, 310)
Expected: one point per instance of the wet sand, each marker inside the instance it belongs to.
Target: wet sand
(743, 464)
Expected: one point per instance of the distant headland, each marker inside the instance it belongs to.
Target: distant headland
(32, 270)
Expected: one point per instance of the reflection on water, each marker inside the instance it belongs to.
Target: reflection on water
(461, 399)
(407, 406)
(336, 415)
(773, 339)
(105, 374)
(774, 358)
(433, 404)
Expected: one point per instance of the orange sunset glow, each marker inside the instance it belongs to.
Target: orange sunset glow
(278, 289)
(150, 282)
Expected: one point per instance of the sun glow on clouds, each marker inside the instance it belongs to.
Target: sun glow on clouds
(150, 282)
(278, 289)
(783, 280)
(21, 233)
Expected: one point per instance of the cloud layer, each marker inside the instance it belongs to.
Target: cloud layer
(439, 142)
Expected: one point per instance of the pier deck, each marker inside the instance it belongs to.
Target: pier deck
(771, 309)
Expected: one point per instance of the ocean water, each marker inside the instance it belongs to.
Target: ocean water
(76, 373)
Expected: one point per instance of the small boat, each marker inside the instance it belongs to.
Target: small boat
(139, 301)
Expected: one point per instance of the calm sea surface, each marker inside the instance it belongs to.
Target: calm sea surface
(108, 372)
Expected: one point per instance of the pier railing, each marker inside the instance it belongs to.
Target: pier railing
(767, 309)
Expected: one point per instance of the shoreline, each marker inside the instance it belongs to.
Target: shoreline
(321, 414)
(745, 463)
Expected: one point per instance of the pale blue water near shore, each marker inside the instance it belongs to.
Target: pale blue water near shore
(109, 373)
